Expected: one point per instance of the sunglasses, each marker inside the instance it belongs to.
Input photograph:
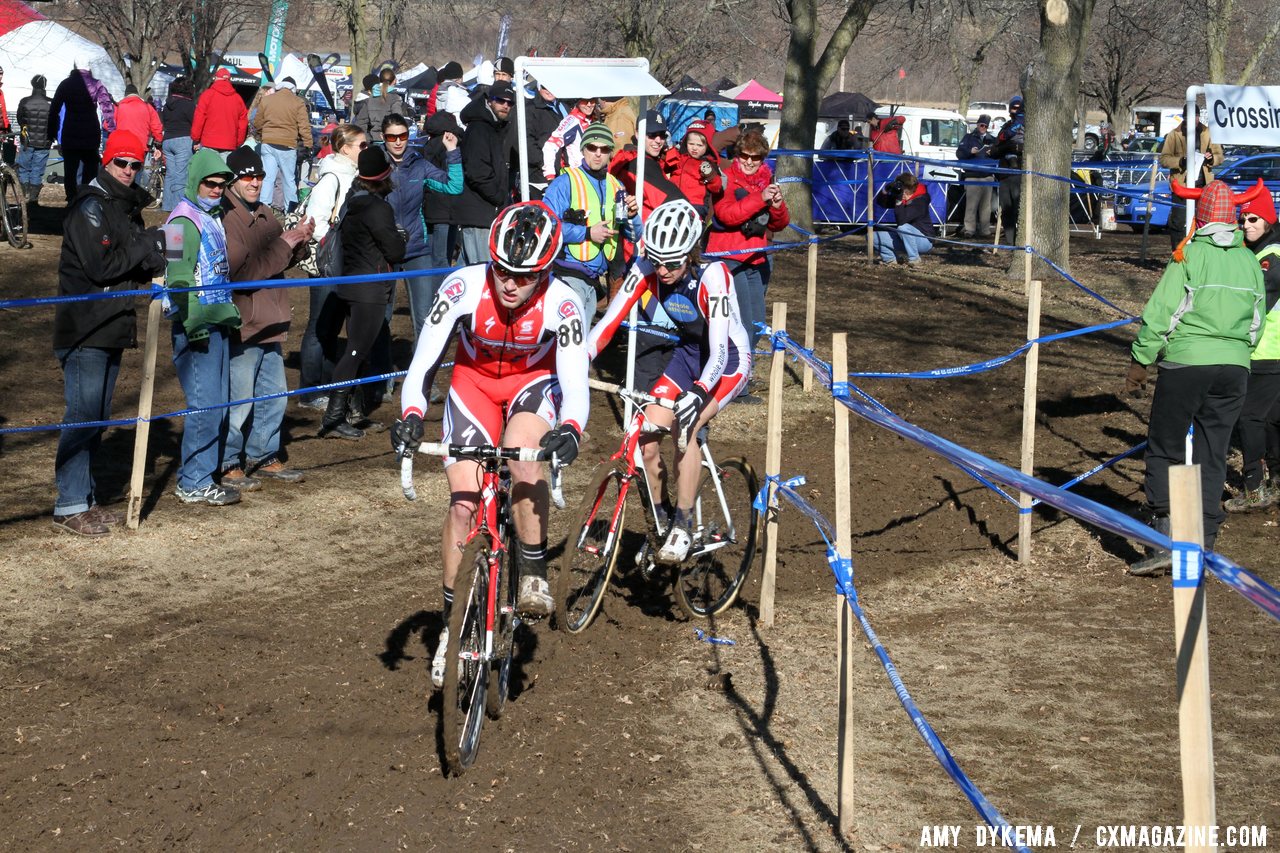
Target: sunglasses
(507, 275)
(598, 149)
(662, 134)
(674, 266)
(131, 165)
(1249, 219)
(396, 137)
(257, 176)
(751, 158)
(508, 101)
(214, 185)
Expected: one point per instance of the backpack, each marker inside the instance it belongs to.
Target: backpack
(329, 250)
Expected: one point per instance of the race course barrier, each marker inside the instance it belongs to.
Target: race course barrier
(1186, 543)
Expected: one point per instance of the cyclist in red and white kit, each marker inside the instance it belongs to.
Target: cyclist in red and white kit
(520, 380)
(711, 362)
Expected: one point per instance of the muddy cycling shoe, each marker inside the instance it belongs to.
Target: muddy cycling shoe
(535, 597)
(676, 547)
(437, 662)
(1250, 500)
(1156, 561)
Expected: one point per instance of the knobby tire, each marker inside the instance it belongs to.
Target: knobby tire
(589, 560)
(466, 681)
(708, 584)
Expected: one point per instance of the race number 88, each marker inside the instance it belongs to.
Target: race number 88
(570, 332)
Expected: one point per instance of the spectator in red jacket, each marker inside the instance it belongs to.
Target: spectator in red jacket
(698, 168)
(750, 209)
(141, 119)
(222, 119)
(886, 134)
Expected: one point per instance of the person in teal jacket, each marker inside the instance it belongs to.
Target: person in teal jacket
(1200, 328)
(202, 320)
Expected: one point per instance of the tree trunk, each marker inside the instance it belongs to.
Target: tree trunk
(1053, 82)
(1218, 26)
(803, 83)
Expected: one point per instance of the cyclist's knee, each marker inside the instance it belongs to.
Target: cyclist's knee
(462, 506)
(525, 473)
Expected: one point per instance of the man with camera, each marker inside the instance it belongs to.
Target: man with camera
(1173, 156)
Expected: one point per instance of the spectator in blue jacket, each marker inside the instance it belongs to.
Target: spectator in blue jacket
(411, 174)
(976, 145)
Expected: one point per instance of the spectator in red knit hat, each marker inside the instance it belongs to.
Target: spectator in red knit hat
(222, 119)
(1258, 222)
(698, 171)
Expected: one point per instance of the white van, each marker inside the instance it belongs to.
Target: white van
(926, 132)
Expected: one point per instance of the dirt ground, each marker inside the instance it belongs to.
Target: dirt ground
(255, 677)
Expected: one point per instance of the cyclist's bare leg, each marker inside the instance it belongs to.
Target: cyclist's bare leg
(464, 496)
(651, 454)
(530, 505)
(530, 498)
(689, 462)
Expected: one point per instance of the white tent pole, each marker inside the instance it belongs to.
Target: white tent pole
(642, 128)
(522, 122)
(1193, 152)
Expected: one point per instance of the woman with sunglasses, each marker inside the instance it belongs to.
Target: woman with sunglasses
(712, 358)
(202, 322)
(749, 210)
(337, 171)
(520, 379)
(1262, 236)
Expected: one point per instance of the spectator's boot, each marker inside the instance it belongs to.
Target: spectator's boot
(1156, 561)
(335, 423)
(33, 195)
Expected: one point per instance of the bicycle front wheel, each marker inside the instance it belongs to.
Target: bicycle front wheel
(13, 210)
(724, 540)
(466, 672)
(592, 549)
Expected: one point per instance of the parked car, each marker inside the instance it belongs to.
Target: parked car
(998, 111)
(1240, 173)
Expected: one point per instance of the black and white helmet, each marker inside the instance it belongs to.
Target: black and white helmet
(672, 231)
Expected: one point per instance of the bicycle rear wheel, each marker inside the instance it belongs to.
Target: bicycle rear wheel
(466, 673)
(592, 551)
(724, 541)
(504, 630)
(13, 210)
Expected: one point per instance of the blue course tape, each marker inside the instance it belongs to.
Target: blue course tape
(1089, 511)
(842, 568)
(1188, 565)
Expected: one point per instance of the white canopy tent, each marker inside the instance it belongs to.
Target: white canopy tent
(31, 44)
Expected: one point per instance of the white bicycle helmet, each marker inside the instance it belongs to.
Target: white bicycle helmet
(672, 231)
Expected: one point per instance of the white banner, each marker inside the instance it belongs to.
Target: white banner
(1243, 115)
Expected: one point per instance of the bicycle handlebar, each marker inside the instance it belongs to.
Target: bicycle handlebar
(480, 451)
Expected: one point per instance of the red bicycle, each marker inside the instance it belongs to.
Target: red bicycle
(725, 526)
(482, 626)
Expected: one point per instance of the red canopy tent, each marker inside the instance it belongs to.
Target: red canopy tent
(754, 99)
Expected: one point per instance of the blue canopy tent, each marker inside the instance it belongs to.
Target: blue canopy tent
(688, 104)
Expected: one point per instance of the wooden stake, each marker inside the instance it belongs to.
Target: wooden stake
(871, 206)
(995, 241)
(772, 468)
(810, 309)
(142, 430)
(1191, 643)
(844, 618)
(1030, 381)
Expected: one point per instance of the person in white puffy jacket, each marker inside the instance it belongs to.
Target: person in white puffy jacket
(337, 171)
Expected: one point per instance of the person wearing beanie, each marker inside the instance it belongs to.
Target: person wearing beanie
(371, 243)
(449, 95)
(282, 126)
(1200, 327)
(105, 246)
(203, 321)
(137, 116)
(1262, 237)
(543, 113)
(697, 168)
(221, 121)
(176, 118)
(587, 200)
(257, 249)
(33, 122)
(1007, 150)
(487, 158)
(504, 70)
(975, 145)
